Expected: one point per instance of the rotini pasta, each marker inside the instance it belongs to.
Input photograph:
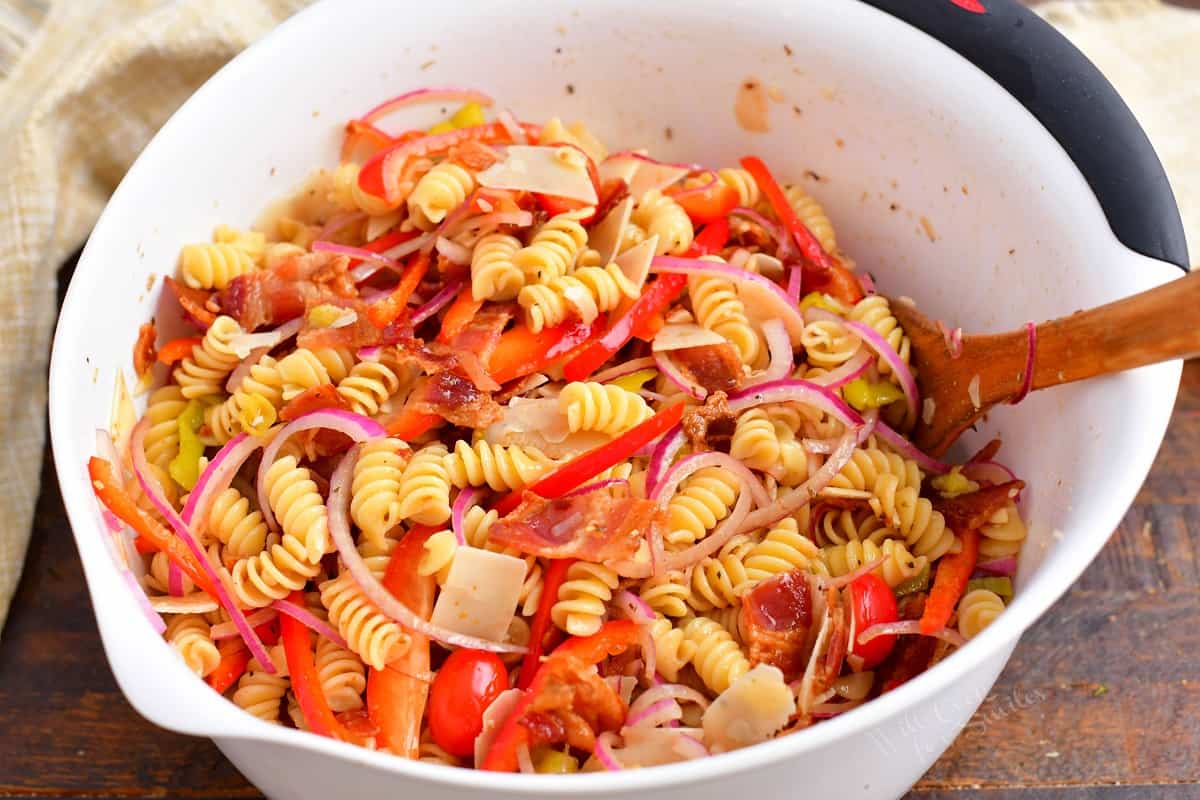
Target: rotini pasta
(494, 273)
(375, 488)
(260, 693)
(783, 549)
(583, 598)
(230, 520)
(306, 369)
(437, 193)
(718, 659)
(1003, 535)
(813, 216)
(716, 580)
(875, 311)
(661, 216)
(828, 344)
(600, 407)
(716, 304)
(673, 650)
(977, 610)
(370, 634)
(213, 266)
(554, 248)
(188, 633)
(369, 385)
(898, 564)
(342, 675)
(743, 183)
(425, 487)
(203, 373)
(585, 294)
(501, 467)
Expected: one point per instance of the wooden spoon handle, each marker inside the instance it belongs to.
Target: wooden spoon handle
(1160, 324)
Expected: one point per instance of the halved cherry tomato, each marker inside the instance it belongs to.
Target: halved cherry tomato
(552, 204)
(465, 686)
(872, 602)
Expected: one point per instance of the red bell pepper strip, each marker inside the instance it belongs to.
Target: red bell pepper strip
(178, 349)
(106, 487)
(411, 424)
(593, 462)
(612, 639)
(395, 698)
(387, 241)
(460, 312)
(555, 574)
(953, 572)
(388, 310)
(643, 316)
(302, 669)
(358, 130)
(712, 204)
(521, 352)
(808, 243)
(836, 281)
(231, 666)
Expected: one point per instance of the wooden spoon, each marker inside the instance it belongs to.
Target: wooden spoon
(1157, 325)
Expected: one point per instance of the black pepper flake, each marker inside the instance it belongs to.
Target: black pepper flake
(812, 176)
(797, 110)
(558, 51)
(570, 88)
(670, 134)
(787, 49)
(893, 207)
(750, 85)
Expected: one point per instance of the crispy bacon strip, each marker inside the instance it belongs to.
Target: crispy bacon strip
(710, 426)
(971, 511)
(775, 622)
(456, 399)
(593, 526)
(270, 297)
(574, 705)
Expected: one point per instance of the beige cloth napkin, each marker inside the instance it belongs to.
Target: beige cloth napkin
(86, 84)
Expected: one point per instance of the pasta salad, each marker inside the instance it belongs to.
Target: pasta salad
(498, 449)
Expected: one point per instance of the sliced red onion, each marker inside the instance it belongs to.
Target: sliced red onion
(909, 450)
(143, 602)
(454, 252)
(596, 486)
(710, 180)
(370, 353)
(216, 478)
(150, 487)
(818, 314)
(664, 453)
(226, 630)
(376, 593)
(651, 397)
(795, 285)
(683, 335)
(792, 500)
(850, 577)
(466, 498)
(675, 691)
(910, 627)
(784, 244)
(234, 381)
(783, 360)
(322, 246)
(903, 374)
(411, 246)
(795, 391)
(655, 714)
(1031, 348)
(356, 426)
(621, 370)
(690, 747)
(339, 222)
(506, 118)
(782, 305)
(603, 752)
(1000, 567)
(675, 375)
(426, 95)
(635, 607)
(715, 540)
(846, 372)
(437, 302)
(309, 620)
(664, 491)
(174, 580)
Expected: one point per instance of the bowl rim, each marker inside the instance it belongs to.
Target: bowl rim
(997, 640)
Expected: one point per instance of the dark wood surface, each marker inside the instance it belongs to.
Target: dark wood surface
(1100, 700)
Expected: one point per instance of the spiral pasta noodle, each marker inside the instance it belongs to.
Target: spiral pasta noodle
(305, 369)
(922, 526)
(601, 407)
(188, 633)
(583, 598)
(668, 594)
(673, 650)
(494, 273)
(437, 193)
(280, 569)
(898, 564)
(743, 183)
(341, 674)
(783, 549)
(704, 499)
(661, 216)
(368, 632)
(718, 659)
(976, 610)
(1003, 534)
(425, 487)
(257, 398)
(162, 435)
(252, 243)
(875, 471)
(754, 441)
(718, 308)
(260, 693)
(203, 373)
(554, 248)
(440, 549)
(585, 293)
(828, 344)
(813, 216)
(875, 311)
(346, 192)
(230, 520)
(716, 580)
(213, 266)
(502, 467)
(298, 506)
(369, 385)
(375, 487)
(430, 752)
(839, 527)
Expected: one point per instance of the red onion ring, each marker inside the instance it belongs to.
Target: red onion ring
(849, 577)
(654, 715)
(908, 384)
(795, 285)
(711, 181)
(454, 252)
(174, 579)
(322, 246)
(1001, 567)
(909, 450)
(693, 167)
(141, 470)
(596, 486)
(715, 540)
(637, 610)
(687, 465)
(427, 95)
(604, 753)
(1027, 382)
(783, 359)
(309, 620)
(783, 243)
(466, 498)
(357, 427)
(340, 221)
(385, 601)
(909, 627)
(437, 302)
(795, 391)
(664, 453)
(216, 478)
(846, 372)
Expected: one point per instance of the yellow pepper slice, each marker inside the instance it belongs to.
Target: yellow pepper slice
(185, 467)
(469, 116)
(863, 395)
(635, 380)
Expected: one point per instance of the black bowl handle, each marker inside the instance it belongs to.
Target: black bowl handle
(1068, 95)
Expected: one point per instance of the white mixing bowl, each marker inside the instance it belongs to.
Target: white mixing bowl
(939, 180)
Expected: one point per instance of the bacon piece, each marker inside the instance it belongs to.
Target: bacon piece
(716, 367)
(574, 705)
(194, 302)
(775, 622)
(144, 351)
(968, 512)
(481, 335)
(710, 426)
(314, 399)
(593, 526)
(457, 400)
(270, 297)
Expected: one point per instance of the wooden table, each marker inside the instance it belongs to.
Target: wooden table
(1100, 700)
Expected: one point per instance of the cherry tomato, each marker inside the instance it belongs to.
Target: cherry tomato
(464, 687)
(553, 204)
(872, 602)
